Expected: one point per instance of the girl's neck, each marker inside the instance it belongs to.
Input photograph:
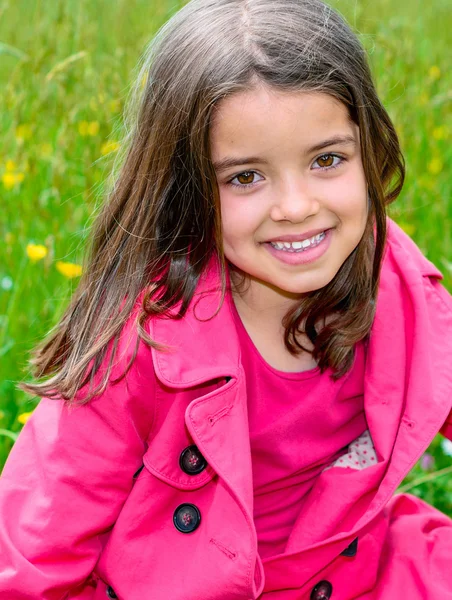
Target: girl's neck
(261, 310)
(257, 302)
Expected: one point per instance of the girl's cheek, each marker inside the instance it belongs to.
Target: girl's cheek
(232, 217)
(235, 207)
(349, 194)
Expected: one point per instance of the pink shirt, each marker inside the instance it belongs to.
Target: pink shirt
(307, 411)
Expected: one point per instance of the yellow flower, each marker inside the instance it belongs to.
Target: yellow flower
(88, 128)
(93, 128)
(10, 180)
(435, 166)
(408, 228)
(440, 133)
(108, 147)
(434, 72)
(83, 128)
(68, 269)
(23, 417)
(36, 252)
(10, 166)
(23, 132)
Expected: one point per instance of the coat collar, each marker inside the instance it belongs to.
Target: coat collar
(203, 345)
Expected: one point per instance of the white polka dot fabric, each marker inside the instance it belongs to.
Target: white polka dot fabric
(360, 455)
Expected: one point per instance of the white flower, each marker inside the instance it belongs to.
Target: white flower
(6, 283)
(446, 446)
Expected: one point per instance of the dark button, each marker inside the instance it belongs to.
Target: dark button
(322, 591)
(187, 518)
(111, 592)
(352, 549)
(191, 461)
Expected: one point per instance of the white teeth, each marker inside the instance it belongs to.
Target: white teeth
(299, 246)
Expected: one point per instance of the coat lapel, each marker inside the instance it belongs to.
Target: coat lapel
(203, 345)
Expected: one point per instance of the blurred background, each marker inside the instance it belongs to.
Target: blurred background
(66, 67)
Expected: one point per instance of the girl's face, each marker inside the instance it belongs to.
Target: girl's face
(288, 167)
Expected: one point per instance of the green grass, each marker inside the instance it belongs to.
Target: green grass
(65, 71)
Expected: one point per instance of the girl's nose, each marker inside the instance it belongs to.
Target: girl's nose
(294, 203)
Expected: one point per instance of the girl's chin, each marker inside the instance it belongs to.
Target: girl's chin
(280, 280)
(289, 289)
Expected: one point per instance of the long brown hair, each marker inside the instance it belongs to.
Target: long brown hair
(160, 224)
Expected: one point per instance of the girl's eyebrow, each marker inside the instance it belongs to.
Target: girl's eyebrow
(226, 163)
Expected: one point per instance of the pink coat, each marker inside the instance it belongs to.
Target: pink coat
(75, 522)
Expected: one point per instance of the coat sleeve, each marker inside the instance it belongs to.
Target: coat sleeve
(65, 482)
(446, 430)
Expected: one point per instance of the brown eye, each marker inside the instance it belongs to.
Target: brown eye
(326, 160)
(245, 178)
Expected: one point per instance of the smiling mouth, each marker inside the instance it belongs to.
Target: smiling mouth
(299, 246)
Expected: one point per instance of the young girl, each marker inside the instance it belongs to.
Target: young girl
(256, 355)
